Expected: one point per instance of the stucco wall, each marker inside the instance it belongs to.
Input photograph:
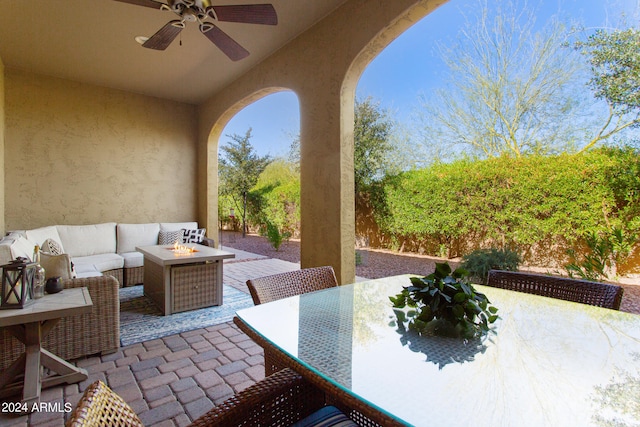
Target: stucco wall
(81, 154)
(2, 227)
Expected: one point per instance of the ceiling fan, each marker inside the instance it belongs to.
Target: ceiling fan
(200, 11)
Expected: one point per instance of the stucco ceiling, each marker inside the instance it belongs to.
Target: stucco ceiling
(92, 41)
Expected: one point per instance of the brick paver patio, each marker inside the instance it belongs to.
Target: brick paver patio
(172, 381)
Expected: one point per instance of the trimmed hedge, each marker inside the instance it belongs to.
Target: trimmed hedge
(511, 202)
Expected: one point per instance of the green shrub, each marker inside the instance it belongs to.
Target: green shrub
(605, 252)
(274, 236)
(479, 262)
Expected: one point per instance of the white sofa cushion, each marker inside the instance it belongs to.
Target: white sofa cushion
(87, 240)
(39, 235)
(175, 226)
(101, 262)
(133, 259)
(131, 235)
(90, 272)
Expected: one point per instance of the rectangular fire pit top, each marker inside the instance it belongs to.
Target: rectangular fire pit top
(165, 255)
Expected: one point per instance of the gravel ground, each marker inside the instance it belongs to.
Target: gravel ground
(381, 263)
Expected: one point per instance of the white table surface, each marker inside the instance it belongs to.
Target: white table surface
(69, 302)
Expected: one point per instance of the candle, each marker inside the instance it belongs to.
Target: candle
(11, 298)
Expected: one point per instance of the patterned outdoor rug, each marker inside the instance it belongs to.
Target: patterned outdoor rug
(141, 320)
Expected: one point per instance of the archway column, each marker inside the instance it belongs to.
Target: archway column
(327, 182)
(322, 66)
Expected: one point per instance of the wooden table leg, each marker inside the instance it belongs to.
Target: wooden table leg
(29, 363)
(67, 373)
(32, 384)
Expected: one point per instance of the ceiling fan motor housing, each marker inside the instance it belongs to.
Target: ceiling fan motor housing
(190, 10)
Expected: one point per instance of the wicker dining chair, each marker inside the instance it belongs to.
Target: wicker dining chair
(283, 285)
(281, 399)
(582, 291)
(99, 406)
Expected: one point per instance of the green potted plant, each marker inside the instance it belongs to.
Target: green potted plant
(443, 303)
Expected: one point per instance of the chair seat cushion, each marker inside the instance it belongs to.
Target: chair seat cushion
(133, 259)
(102, 262)
(329, 416)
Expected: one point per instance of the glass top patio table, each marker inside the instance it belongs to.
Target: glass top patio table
(549, 363)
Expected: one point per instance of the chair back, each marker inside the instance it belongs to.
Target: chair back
(100, 406)
(582, 291)
(291, 283)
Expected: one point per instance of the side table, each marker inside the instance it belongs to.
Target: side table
(30, 325)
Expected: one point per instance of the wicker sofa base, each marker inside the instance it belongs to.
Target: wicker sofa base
(73, 337)
(133, 276)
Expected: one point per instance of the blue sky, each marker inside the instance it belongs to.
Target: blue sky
(407, 67)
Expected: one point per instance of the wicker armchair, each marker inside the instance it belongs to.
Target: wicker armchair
(278, 286)
(81, 335)
(100, 406)
(592, 293)
(278, 400)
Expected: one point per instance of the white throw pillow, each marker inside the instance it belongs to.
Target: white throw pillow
(56, 265)
(52, 247)
(22, 247)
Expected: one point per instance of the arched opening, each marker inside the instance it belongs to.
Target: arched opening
(325, 87)
(411, 64)
(258, 171)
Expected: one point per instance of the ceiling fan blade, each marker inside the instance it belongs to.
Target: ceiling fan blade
(246, 13)
(226, 44)
(165, 35)
(147, 3)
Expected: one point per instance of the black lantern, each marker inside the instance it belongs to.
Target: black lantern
(17, 283)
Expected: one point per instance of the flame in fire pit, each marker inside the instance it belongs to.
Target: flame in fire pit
(181, 249)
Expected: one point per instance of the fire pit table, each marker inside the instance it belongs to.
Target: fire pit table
(183, 278)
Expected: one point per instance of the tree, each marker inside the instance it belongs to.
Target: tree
(615, 66)
(372, 143)
(375, 150)
(511, 89)
(239, 170)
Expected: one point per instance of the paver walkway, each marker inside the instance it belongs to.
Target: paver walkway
(172, 381)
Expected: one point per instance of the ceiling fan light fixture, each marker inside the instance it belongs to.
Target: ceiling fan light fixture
(141, 39)
(189, 15)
